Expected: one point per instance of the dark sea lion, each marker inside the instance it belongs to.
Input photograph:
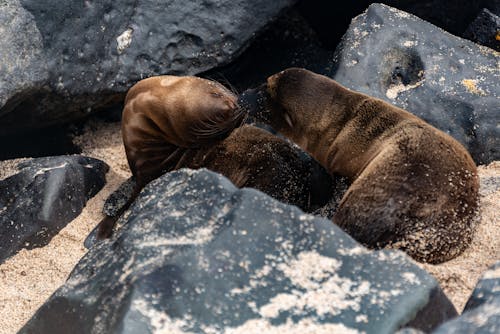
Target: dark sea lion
(172, 122)
(413, 187)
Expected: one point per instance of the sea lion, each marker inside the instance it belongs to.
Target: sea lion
(172, 122)
(165, 116)
(413, 187)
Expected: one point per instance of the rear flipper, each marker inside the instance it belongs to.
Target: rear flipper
(116, 204)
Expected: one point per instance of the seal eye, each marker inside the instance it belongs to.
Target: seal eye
(288, 119)
(216, 95)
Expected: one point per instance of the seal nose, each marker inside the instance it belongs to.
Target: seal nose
(253, 101)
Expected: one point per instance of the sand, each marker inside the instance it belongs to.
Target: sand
(28, 278)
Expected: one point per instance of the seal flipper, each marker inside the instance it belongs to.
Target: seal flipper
(116, 204)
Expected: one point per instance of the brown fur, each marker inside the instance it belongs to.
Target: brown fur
(175, 122)
(413, 187)
(252, 157)
(165, 115)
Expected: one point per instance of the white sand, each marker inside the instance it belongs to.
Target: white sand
(28, 278)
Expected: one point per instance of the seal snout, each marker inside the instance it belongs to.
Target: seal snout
(254, 102)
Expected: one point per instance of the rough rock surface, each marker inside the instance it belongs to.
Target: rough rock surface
(119, 197)
(485, 30)
(487, 289)
(197, 255)
(81, 56)
(452, 83)
(484, 319)
(482, 312)
(288, 42)
(43, 197)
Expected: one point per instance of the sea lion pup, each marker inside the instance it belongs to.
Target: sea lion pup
(171, 122)
(413, 187)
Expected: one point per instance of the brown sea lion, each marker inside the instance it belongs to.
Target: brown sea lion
(164, 116)
(413, 187)
(172, 122)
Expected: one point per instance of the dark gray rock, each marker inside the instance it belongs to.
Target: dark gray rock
(484, 319)
(487, 289)
(43, 197)
(63, 61)
(289, 41)
(485, 30)
(330, 19)
(450, 82)
(493, 6)
(409, 331)
(482, 311)
(197, 255)
(450, 15)
(22, 63)
(119, 198)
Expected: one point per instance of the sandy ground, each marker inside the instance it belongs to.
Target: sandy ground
(30, 277)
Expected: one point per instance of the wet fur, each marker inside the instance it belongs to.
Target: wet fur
(413, 187)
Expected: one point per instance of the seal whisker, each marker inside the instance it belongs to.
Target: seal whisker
(288, 120)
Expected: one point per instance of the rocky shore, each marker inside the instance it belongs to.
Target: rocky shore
(195, 254)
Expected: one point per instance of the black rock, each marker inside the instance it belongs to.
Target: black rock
(43, 197)
(195, 254)
(66, 60)
(331, 18)
(450, 15)
(450, 82)
(485, 30)
(119, 197)
(289, 41)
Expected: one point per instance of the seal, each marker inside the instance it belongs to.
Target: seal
(163, 119)
(172, 122)
(412, 186)
(165, 116)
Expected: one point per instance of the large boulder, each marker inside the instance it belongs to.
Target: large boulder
(62, 61)
(43, 197)
(197, 255)
(450, 82)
